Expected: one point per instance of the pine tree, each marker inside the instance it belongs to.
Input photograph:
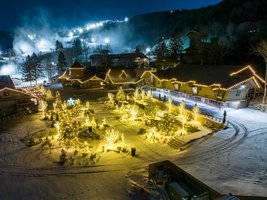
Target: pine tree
(175, 47)
(61, 63)
(32, 69)
(27, 71)
(138, 49)
(48, 66)
(37, 67)
(161, 50)
(77, 46)
(59, 46)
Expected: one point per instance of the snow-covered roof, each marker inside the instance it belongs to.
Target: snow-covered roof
(77, 65)
(122, 76)
(223, 75)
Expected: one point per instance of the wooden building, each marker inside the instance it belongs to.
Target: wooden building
(78, 76)
(230, 86)
(124, 77)
(12, 100)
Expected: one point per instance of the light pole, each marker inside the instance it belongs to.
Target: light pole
(148, 50)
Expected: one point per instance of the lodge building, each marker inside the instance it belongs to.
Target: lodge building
(229, 86)
(217, 85)
(13, 100)
(78, 76)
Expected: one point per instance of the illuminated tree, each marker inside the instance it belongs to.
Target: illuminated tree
(93, 122)
(184, 119)
(49, 94)
(111, 97)
(182, 109)
(57, 125)
(133, 113)
(168, 123)
(87, 105)
(87, 120)
(122, 139)
(195, 113)
(143, 94)
(150, 109)
(76, 108)
(261, 49)
(169, 104)
(149, 94)
(111, 137)
(58, 102)
(136, 94)
(42, 90)
(153, 135)
(120, 96)
(104, 123)
(43, 107)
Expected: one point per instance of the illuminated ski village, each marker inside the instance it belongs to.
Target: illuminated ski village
(133, 100)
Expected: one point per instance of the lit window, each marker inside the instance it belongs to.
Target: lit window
(194, 90)
(176, 86)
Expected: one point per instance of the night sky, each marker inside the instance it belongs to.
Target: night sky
(15, 13)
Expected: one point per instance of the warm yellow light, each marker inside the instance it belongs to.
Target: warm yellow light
(153, 135)
(43, 106)
(133, 114)
(57, 127)
(195, 113)
(170, 104)
(111, 137)
(184, 119)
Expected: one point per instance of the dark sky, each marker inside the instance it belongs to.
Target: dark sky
(14, 13)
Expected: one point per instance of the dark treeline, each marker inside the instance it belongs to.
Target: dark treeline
(232, 21)
(238, 24)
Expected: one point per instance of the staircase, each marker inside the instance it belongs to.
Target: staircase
(176, 143)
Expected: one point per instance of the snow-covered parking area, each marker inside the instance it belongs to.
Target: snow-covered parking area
(233, 160)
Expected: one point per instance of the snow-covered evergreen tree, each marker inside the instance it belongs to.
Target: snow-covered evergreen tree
(27, 71)
(32, 69)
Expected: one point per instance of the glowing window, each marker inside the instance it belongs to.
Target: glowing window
(176, 86)
(194, 90)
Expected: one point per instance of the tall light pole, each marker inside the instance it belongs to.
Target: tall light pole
(148, 50)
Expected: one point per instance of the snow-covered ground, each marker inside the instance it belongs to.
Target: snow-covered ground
(232, 160)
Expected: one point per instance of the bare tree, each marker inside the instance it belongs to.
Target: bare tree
(261, 49)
